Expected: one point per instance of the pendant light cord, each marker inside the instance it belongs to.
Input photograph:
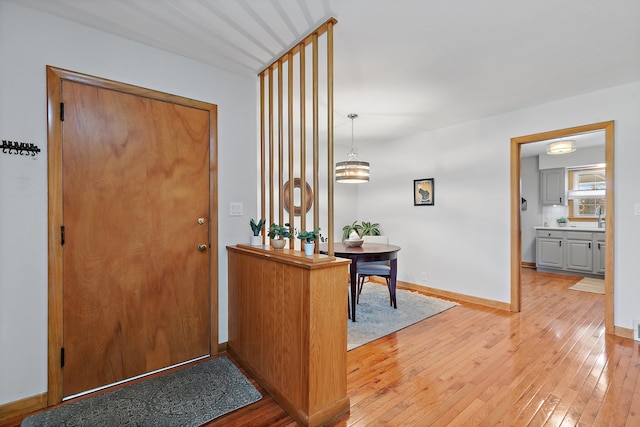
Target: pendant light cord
(352, 117)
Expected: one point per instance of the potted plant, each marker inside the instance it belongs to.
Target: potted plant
(562, 221)
(308, 238)
(348, 229)
(256, 240)
(278, 233)
(370, 229)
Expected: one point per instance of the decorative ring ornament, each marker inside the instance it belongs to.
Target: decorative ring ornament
(297, 210)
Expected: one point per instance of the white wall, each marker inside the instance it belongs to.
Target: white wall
(28, 42)
(463, 242)
(345, 197)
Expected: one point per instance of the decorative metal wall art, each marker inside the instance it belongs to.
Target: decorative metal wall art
(21, 148)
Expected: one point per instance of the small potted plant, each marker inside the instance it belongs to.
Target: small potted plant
(256, 240)
(308, 238)
(562, 221)
(347, 230)
(278, 235)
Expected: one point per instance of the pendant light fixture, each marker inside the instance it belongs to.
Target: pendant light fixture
(353, 171)
(561, 147)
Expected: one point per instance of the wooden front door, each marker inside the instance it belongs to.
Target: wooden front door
(136, 256)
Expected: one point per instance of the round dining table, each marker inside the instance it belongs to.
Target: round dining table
(366, 253)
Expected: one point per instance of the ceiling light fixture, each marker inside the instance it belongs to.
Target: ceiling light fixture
(353, 171)
(561, 147)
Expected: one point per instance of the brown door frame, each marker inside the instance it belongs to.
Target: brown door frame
(516, 239)
(55, 76)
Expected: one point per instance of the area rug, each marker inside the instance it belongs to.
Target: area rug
(589, 284)
(188, 397)
(375, 318)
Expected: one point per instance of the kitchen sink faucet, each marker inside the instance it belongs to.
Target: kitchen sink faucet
(599, 212)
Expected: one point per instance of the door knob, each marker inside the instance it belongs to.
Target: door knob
(202, 247)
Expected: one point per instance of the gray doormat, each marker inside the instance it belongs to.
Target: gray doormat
(188, 397)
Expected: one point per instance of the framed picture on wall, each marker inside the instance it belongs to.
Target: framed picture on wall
(423, 192)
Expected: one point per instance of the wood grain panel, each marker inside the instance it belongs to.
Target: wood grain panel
(293, 306)
(135, 181)
(171, 156)
(294, 332)
(22, 406)
(325, 369)
(54, 214)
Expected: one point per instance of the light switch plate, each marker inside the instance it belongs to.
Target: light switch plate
(636, 211)
(235, 209)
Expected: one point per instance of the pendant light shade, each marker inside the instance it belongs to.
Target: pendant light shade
(353, 171)
(561, 147)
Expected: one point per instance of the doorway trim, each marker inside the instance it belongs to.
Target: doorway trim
(516, 238)
(55, 76)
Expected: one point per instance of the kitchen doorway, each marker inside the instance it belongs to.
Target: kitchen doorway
(517, 145)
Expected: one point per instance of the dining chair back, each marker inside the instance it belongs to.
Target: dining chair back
(375, 268)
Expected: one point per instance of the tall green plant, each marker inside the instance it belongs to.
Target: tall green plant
(256, 228)
(370, 229)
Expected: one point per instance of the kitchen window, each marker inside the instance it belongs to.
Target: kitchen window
(587, 188)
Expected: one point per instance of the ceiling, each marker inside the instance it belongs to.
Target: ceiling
(583, 140)
(404, 66)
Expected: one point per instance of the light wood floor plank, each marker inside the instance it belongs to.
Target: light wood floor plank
(551, 364)
(545, 377)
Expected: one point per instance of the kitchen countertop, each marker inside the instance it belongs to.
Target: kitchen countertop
(572, 227)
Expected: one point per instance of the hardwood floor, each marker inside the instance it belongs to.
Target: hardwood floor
(551, 365)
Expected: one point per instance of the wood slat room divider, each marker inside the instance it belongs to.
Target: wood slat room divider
(294, 144)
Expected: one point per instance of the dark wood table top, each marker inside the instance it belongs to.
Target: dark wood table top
(340, 248)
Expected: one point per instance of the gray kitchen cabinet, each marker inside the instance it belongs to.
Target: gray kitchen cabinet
(570, 251)
(579, 247)
(549, 250)
(598, 253)
(552, 186)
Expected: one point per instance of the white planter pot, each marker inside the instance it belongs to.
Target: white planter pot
(308, 248)
(256, 240)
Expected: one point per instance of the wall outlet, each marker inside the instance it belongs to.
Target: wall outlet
(423, 276)
(636, 330)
